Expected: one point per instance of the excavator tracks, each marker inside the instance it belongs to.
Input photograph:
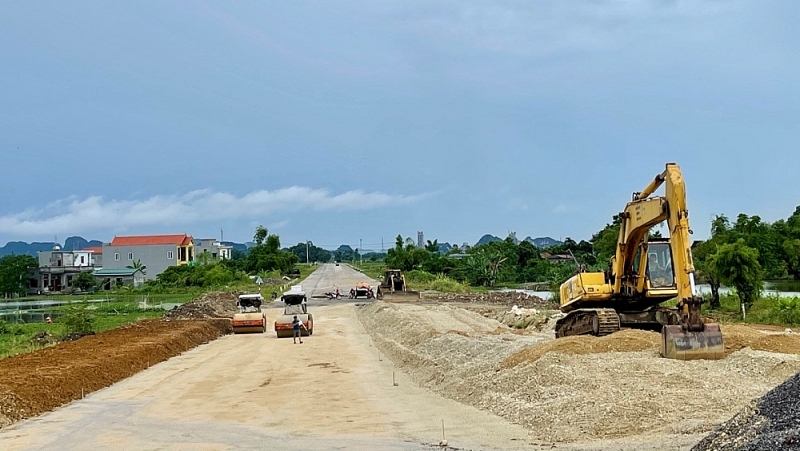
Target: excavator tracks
(596, 322)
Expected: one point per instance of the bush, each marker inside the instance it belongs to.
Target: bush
(4, 327)
(78, 320)
(420, 276)
(774, 309)
(448, 285)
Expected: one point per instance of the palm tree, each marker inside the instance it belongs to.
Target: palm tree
(139, 266)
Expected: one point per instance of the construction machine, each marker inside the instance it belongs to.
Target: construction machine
(295, 305)
(643, 274)
(394, 287)
(361, 289)
(250, 318)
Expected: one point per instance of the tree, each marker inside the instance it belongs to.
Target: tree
(14, 271)
(260, 235)
(432, 246)
(84, 281)
(604, 242)
(702, 255)
(138, 265)
(737, 266)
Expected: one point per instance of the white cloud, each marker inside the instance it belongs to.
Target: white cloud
(560, 208)
(74, 215)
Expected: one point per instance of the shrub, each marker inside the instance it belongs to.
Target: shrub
(420, 276)
(448, 285)
(78, 320)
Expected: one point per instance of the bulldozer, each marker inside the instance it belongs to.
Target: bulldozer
(394, 287)
(250, 318)
(643, 274)
(295, 305)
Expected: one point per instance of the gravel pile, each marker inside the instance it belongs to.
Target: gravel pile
(771, 422)
(508, 298)
(210, 305)
(564, 392)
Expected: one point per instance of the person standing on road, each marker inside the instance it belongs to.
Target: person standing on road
(296, 325)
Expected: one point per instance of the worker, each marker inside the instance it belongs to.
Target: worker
(296, 325)
(48, 320)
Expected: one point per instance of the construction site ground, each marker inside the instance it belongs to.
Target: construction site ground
(388, 376)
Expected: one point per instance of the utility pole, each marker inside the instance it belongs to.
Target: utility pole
(360, 252)
(307, 262)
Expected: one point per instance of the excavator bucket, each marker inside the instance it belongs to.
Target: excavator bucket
(685, 345)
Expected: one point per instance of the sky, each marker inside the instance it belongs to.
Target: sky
(351, 122)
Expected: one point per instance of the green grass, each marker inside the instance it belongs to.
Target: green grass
(374, 270)
(17, 339)
(772, 309)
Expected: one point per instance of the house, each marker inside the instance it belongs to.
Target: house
(214, 248)
(97, 255)
(556, 258)
(155, 253)
(108, 279)
(57, 269)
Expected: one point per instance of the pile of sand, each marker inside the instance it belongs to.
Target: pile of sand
(622, 341)
(579, 388)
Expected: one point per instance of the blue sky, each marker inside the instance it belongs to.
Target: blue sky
(340, 121)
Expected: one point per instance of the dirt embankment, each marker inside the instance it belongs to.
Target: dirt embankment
(581, 388)
(507, 298)
(38, 382)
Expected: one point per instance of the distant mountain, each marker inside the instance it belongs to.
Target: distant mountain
(344, 248)
(486, 239)
(543, 242)
(77, 243)
(22, 248)
(238, 246)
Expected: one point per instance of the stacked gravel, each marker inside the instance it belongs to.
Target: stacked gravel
(769, 423)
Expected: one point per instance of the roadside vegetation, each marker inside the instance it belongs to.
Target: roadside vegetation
(91, 312)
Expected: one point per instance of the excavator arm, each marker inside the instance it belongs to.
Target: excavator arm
(691, 337)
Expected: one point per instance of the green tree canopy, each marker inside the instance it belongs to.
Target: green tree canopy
(737, 265)
(14, 271)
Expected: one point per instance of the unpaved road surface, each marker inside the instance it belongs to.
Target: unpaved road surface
(334, 391)
(389, 376)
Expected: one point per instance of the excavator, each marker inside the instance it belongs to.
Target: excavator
(643, 274)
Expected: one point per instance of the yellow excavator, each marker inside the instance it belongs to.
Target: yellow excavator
(644, 273)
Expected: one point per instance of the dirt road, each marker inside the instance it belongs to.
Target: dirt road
(334, 391)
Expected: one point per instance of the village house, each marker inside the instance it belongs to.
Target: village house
(153, 253)
(58, 268)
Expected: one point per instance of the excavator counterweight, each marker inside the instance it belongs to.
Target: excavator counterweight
(643, 274)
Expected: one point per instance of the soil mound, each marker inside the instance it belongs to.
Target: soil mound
(622, 341)
(37, 382)
(738, 336)
(508, 298)
(771, 422)
(211, 305)
(573, 389)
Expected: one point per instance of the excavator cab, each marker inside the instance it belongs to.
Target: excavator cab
(660, 271)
